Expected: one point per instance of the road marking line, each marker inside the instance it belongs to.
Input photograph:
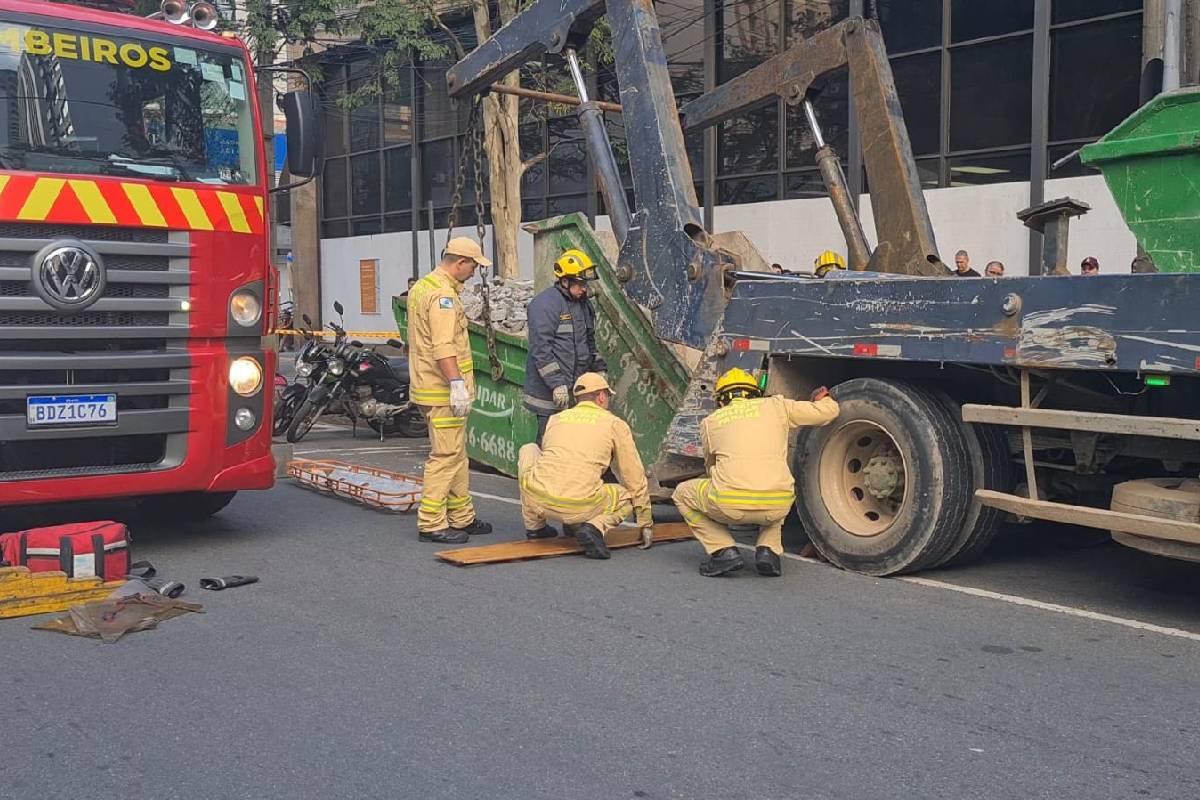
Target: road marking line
(1070, 611)
(1016, 600)
(497, 498)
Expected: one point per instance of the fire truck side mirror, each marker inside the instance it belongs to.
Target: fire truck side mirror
(305, 137)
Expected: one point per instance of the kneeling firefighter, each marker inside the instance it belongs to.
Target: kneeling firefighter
(562, 338)
(563, 481)
(749, 482)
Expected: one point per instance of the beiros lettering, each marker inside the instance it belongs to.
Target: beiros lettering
(78, 47)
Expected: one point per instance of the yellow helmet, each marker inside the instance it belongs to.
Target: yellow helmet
(827, 261)
(575, 264)
(736, 380)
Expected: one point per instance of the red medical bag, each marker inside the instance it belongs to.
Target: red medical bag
(80, 549)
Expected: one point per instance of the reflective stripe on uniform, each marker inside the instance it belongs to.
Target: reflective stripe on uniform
(744, 496)
(691, 517)
(538, 402)
(702, 494)
(546, 370)
(566, 327)
(431, 397)
(448, 422)
(433, 505)
(458, 502)
(561, 502)
(466, 365)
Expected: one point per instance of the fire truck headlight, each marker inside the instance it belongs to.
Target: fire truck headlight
(244, 418)
(245, 309)
(245, 376)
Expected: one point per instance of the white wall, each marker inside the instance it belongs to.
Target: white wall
(979, 219)
(339, 271)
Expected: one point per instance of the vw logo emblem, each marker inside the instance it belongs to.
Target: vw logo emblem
(68, 275)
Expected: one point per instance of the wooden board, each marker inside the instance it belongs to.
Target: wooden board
(548, 548)
(1139, 524)
(1094, 422)
(23, 593)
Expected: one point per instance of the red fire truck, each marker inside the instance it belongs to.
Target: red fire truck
(135, 281)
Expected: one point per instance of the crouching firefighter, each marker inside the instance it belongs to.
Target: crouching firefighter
(749, 482)
(561, 481)
(562, 338)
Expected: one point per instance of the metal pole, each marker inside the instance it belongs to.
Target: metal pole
(839, 193)
(433, 259)
(591, 119)
(551, 97)
(1172, 45)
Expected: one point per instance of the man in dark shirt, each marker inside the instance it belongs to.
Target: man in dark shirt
(962, 265)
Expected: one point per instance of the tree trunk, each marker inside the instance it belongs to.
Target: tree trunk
(501, 142)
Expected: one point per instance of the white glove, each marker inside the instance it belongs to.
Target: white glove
(562, 396)
(460, 398)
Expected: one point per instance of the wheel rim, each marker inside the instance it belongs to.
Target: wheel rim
(863, 478)
(309, 420)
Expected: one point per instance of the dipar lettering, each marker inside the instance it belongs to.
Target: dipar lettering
(79, 47)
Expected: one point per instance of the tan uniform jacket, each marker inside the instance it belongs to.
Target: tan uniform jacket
(437, 329)
(579, 445)
(746, 449)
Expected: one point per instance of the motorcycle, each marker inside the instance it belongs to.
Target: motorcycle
(362, 384)
(310, 364)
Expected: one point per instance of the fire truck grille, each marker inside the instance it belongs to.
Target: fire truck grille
(131, 343)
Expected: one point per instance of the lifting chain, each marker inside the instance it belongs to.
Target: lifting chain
(474, 146)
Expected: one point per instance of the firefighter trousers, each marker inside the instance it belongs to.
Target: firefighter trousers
(710, 520)
(446, 498)
(611, 505)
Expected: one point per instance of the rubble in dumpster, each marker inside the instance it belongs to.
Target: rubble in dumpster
(509, 301)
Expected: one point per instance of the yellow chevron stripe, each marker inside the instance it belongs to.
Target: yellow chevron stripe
(143, 203)
(189, 204)
(258, 203)
(41, 199)
(3, 183)
(233, 210)
(93, 202)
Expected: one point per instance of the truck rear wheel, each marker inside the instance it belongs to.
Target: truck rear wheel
(884, 489)
(186, 506)
(990, 468)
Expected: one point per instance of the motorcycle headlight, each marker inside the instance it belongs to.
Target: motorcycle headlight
(336, 366)
(245, 309)
(304, 369)
(245, 376)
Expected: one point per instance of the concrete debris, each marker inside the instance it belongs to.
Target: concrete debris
(510, 299)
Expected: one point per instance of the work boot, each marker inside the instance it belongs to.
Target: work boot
(445, 536)
(767, 562)
(544, 532)
(476, 528)
(722, 562)
(592, 540)
(569, 530)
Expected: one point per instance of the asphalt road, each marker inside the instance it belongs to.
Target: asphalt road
(361, 667)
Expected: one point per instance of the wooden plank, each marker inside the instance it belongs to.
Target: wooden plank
(616, 539)
(1027, 440)
(1126, 424)
(1139, 524)
(23, 593)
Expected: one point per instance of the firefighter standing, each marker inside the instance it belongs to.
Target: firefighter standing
(562, 338)
(442, 384)
(749, 482)
(563, 481)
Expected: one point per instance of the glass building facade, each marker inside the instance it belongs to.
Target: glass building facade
(991, 91)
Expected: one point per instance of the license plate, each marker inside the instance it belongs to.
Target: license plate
(72, 409)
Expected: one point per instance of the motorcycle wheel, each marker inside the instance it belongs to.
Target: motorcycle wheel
(283, 413)
(305, 418)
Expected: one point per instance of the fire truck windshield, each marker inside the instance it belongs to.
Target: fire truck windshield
(92, 102)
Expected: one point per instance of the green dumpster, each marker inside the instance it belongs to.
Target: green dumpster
(1150, 162)
(647, 376)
